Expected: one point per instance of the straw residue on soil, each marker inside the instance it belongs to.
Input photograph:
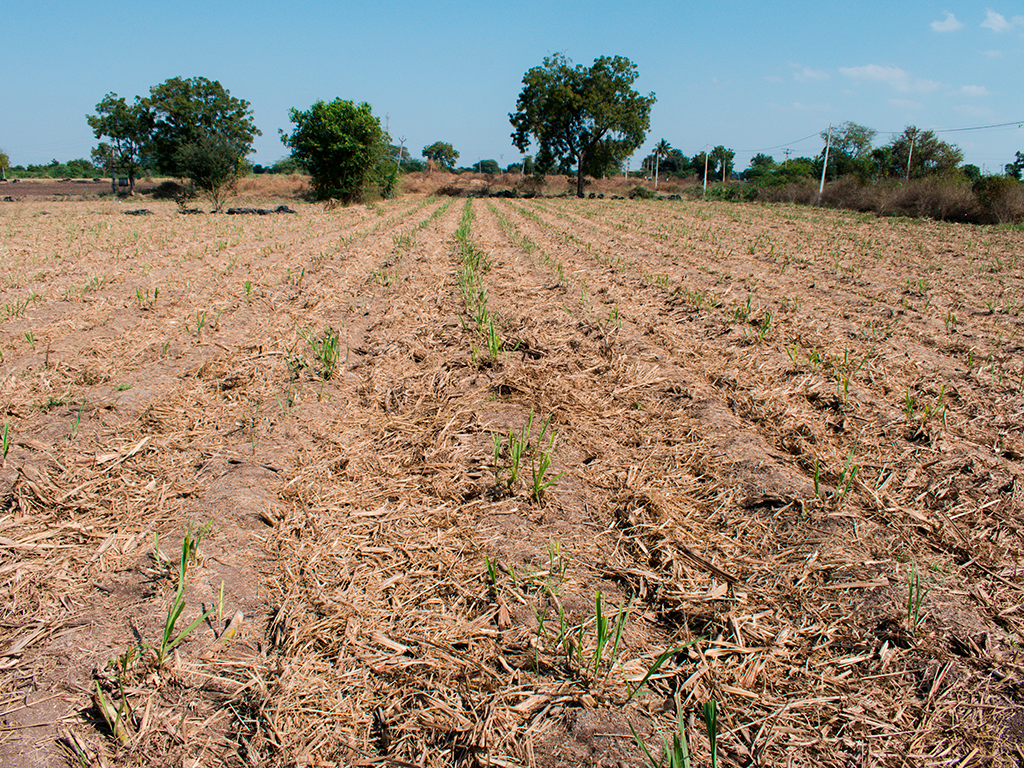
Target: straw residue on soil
(767, 421)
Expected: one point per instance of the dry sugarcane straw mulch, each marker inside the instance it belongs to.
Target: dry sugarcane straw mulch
(504, 482)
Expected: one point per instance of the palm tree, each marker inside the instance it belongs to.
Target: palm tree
(661, 149)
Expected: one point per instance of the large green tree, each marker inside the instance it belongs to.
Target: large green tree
(1016, 168)
(129, 128)
(723, 159)
(442, 154)
(185, 111)
(341, 145)
(661, 151)
(5, 163)
(587, 117)
(761, 168)
(850, 151)
(675, 163)
(915, 154)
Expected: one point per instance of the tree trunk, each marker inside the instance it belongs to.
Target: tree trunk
(579, 176)
(131, 185)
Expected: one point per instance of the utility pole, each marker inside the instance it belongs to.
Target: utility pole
(787, 152)
(401, 150)
(824, 166)
(910, 155)
(706, 168)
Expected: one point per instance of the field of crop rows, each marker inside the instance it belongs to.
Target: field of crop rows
(509, 482)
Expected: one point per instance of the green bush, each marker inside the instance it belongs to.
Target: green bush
(212, 163)
(733, 192)
(341, 144)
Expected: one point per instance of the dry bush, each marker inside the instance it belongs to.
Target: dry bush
(452, 190)
(420, 183)
(1001, 198)
(530, 185)
(272, 186)
(167, 190)
(482, 184)
(943, 199)
(852, 194)
(803, 192)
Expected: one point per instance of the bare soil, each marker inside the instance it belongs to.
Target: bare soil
(56, 189)
(786, 459)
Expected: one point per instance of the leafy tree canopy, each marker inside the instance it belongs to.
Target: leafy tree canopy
(971, 172)
(675, 163)
(1016, 168)
(5, 163)
(919, 152)
(587, 117)
(212, 163)
(723, 158)
(129, 127)
(850, 151)
(183, 111)
(442, 154)
(340, 144)
(487, 166)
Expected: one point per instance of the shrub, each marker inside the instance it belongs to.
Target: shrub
(945, 198)
(803, 192)
(1001, 199)
(212, 163)
(851, 193)
(167, 190)
(341, 145)
(732, 192)
(451, 190)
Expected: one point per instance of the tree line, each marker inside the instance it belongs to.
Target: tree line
(581, 120)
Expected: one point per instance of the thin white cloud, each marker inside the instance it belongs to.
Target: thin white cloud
(971, 110)
(975, 90)
(899, 79)
(906, 104)
(812, 107)
(996, 22)
(806, 74)
(999, 23)
(948, 24)
(992, 54)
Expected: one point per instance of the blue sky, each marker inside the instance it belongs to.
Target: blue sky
(754, 76)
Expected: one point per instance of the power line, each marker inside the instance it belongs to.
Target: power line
(782, 145)
(1017, 123)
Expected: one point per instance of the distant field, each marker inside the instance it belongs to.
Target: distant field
(782, 446)
(30, 189)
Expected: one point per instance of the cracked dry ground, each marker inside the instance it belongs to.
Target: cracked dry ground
(768, 427)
